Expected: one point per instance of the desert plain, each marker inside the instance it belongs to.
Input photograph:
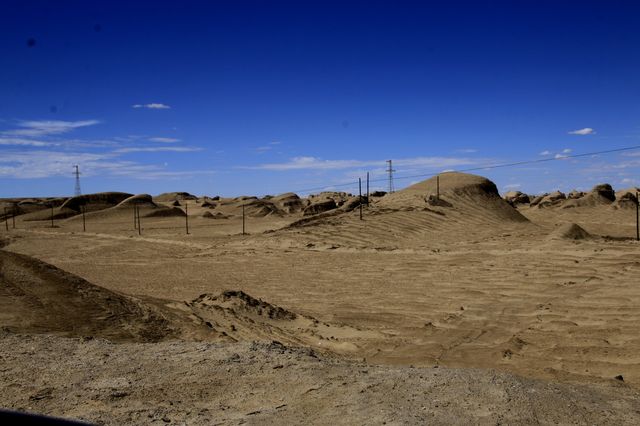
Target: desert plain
(444, 303)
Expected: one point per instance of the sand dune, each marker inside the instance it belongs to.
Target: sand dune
(461, 280)
(39, 298)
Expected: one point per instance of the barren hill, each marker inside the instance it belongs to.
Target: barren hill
(467, 206)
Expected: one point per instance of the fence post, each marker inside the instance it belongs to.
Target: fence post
(637, 216)
(186, 215)
(139, 226)
(360, 196)
(367, 189)
(438, 187)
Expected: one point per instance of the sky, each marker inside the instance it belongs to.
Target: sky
(264, 97)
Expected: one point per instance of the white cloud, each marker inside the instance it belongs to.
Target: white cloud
(558, 156)
(545, 153)
(152, 106)
(48, 127)
(566, 151)
(583, 132)
(466, 150)
(314, 163)
(158, 149)
(40, 164)
(24, 142)
(164, 140)
(43, 164)
(512, 186)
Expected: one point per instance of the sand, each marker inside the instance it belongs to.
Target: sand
(542, 300)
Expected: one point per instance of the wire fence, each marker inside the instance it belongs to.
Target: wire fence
(142, 222)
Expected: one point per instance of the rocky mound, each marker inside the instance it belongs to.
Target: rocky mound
(139, 200)
(239, 301)
(600, 195)
(168, 197)
(575, 194)
(549, 200)
(288, 203)
(569, 231)
(516, 197)
(462, 191)
(36, 297)
(318, 206)
(241, 317)
(94, 202)
(626, 199)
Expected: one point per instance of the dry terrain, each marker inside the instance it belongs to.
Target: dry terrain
(457, 308)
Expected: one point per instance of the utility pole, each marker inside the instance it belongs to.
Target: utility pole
(77, 175)
(390, 171)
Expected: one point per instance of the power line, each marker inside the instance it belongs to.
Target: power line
(487, 167)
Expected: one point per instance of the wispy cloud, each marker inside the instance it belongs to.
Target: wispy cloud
(268, 147)
(164, 140)
(512, 186)
(583, 132)
(24, 142)
(314, 163)
(152, 106)
(466, 150)
(44, 164)
(158, 149)
(40, 164)
(545, 152)
(566, 151)
(48, 127)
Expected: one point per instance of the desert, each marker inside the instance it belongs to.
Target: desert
(446, 302)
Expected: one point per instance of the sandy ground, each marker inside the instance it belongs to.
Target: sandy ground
(204, 383)
(463, 283)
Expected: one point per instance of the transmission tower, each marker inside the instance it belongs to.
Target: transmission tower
(77, 175)
(390, 171)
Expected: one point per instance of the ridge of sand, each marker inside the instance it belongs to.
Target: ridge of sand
(570, 231)
(39, 298)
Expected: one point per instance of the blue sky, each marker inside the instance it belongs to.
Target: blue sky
(239, 97)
